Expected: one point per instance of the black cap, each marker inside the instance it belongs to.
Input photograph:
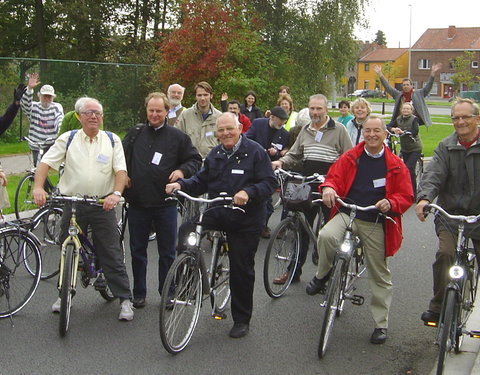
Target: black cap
(279, 112)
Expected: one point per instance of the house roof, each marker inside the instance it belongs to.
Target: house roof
(384, 54)
(449, 38)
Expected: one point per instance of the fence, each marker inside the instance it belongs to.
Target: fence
(120, 88)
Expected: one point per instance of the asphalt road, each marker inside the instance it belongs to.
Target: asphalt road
(283, 337)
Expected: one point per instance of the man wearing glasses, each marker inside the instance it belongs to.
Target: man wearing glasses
(94, 166)
(452, 176)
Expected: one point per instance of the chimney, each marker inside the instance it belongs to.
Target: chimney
(451, 32)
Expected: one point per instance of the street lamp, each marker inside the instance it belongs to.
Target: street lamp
(410, 44)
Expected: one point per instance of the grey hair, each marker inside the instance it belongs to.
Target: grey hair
(176, 84)
(80, 103)
(375, 117)
(319, 97)
(228, 114)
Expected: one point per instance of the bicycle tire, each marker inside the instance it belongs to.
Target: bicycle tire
(282, 254)
(447, 329)
(333, 297)
(17, 286)
(319, 223)
(46, 226)
(418, 171)
(67, 289)
(23, 201)
(220, 280)
(180, 303)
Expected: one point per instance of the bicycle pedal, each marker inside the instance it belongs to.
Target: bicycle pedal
(357, 300)
(430, 324)
(474, 334)
(219, 316)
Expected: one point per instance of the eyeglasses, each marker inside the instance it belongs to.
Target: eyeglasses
(91, 113)
(458, 118)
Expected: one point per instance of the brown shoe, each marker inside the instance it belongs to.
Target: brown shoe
(265, 232)
(281, 279)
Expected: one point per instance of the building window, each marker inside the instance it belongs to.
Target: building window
(475, 64)
(367, 67)
(450, 64)
(423, 64)
(365, 85)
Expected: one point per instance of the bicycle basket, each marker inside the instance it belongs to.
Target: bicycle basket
(297, 196)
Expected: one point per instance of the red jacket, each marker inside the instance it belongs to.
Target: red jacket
(398, 189)
(245, 121)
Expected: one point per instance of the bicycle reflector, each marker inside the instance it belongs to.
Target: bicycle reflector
(192, 239)
(72, 230)
(456, 272)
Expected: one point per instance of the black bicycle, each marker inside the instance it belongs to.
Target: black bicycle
(460, 293)
(189, 282)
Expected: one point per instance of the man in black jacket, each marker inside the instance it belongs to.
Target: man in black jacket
(156, 155)
(7, 119)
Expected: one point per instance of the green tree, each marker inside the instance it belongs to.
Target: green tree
(380, 38)
(463, 73)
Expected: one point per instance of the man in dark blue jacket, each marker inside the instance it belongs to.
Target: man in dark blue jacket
(156, 154)
(240, 168)
(272, 136)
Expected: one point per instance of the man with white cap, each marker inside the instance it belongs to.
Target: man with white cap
(45, 116)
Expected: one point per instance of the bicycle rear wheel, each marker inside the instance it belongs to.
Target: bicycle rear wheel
(23, 201)
(333, 298)
(180, 303)
(447, 329)
(281, 257)
(67, 290)
(46, 226)
(220, 281)
(17, 284)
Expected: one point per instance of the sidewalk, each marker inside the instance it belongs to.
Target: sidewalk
(16, 163)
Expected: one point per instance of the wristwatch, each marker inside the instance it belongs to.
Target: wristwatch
(117, 193)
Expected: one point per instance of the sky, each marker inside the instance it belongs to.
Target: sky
(393, 18)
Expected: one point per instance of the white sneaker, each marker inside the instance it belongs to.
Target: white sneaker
(126, 310)
(56, 306)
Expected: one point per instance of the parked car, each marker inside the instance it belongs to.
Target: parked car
(372, 94)
(357, 93)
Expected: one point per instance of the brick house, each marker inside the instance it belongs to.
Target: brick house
(442, 45)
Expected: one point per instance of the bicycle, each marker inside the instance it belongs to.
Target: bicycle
(460, 293)
(23, 201)
(189, 282)
(283, 248)
(348, 266)
(18, 282)
(394, 141)
(78, 247)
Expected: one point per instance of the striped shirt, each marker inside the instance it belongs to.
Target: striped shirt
(44, 122)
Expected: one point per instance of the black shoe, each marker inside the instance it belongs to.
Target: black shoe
(296, 278)
(316, 286)
(379, 336)
(430, 316)
(138, 303)
(266, 232)
(239, 330)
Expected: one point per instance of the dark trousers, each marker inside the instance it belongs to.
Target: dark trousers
(242, 248)
(447, 243)
(106, 240)
(140, 221)
(410, 160)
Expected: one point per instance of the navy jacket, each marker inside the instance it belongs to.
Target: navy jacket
(258, 132)
(249, 169)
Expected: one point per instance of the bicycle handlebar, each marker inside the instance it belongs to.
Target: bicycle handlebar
(468, 219)
(367, 208)
(225, 199)
(316, 177)
(80, 198)
(46, 142)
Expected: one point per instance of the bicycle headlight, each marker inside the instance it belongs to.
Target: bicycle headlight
(456, 272)
(192, 239)
(72, 231)
(345, 247)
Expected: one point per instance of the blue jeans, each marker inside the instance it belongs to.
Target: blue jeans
(140, 221)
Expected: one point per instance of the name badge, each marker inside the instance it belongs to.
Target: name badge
(102, 159)
(279, 146)
(380, 182)
(209, 134)
(318, 136)
(156, 158)
(238, 171)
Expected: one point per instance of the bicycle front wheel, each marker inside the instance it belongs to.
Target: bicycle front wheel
(180, 303)
(418, 171)
(67, 290)
(333, 300)
(17, 283)
(46, 226)
(23, 201)
(281, 257)
(447, 329)
(220, 281)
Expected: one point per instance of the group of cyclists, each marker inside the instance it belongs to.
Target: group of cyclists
(352, 152)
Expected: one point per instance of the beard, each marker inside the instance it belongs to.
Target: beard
(174, 102)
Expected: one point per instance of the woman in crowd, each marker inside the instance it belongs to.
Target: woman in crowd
(361, 111)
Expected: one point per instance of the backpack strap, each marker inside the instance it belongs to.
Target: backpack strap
(73, 132)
